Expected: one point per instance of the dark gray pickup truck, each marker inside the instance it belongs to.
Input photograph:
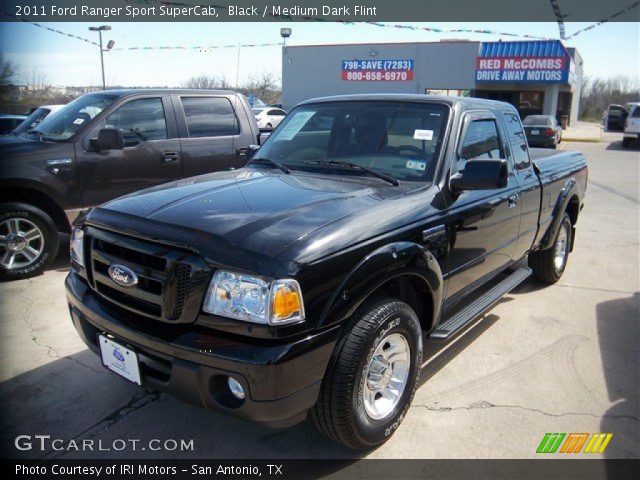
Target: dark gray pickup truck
(104, 145)
(307, 281)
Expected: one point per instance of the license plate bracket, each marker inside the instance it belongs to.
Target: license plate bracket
(119, 359)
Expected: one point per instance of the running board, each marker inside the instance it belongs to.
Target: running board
(457, 322)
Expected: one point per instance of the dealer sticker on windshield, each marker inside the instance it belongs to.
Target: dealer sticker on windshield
(417, 165)
(423, 135)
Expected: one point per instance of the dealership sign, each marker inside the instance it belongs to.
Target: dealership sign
(522, 69)
(377, 70)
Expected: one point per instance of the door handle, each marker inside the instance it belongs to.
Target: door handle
(170, 157)
(513, 200)
(242, 152)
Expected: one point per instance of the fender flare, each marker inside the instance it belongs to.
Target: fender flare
(50, 201)
(569, 189)
(400, 259)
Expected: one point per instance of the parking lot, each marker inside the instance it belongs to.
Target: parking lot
(563, 358)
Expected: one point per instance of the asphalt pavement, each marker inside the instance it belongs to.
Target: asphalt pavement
(562, 358)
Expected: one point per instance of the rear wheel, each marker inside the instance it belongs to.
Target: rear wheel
(549, 265)
(28, 240)
(372, 375)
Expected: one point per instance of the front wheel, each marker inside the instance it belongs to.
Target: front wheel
(626, 142)
(549, 265)
(28, 240)
(372, 375)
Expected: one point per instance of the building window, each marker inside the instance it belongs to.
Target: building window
(531, 100)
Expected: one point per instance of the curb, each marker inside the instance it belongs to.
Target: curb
(585, 140)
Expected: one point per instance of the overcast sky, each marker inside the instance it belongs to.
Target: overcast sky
(610, 49)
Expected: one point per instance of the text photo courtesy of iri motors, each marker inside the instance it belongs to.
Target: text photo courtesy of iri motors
(301, 240)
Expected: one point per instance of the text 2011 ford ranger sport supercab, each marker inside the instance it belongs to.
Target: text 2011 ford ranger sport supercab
(307, 281)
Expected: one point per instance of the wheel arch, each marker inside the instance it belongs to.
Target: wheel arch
(38, 198)
(568, 201)
(409, 272)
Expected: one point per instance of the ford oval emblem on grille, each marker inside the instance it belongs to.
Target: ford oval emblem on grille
(122, 275)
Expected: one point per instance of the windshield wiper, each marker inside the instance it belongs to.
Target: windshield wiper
(279, 166)
(370, 171)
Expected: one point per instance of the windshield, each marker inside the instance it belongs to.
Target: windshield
(74, 116)
(537, 120)
(32, 120)
(400, 139)
(257, 111)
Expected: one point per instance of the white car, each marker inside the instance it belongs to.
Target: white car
(36, 117)
(631, 124)
(268, 118)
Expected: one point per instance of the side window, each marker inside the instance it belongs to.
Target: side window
(518, 141)
(140, 120)
(481, 141)
(636, 112)
(209, 117)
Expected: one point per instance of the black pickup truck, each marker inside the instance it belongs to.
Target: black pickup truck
(307, 281)
(104, 145)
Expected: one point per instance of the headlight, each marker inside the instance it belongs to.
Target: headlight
(77, 246)
(253, 299)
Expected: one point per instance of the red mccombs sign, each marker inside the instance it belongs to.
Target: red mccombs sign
(522, 69)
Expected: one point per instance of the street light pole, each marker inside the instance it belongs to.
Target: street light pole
(100, 30)
(285, 33)
(104, 83)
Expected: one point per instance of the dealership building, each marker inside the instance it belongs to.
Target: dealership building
(537, 77)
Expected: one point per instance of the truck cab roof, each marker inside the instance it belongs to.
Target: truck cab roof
(122, 92)
(464, 102)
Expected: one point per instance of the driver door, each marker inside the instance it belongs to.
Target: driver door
(484, 223)
(151, 153)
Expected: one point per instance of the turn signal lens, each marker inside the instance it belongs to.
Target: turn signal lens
(286, 302)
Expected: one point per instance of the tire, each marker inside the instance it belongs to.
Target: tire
(626, 142)
(342, 413)
(543, 263)
(43, 240)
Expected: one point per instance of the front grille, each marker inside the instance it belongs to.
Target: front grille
(171, 281)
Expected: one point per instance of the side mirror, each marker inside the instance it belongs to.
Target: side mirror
(262, 137)
(108, 139)
(480, 175)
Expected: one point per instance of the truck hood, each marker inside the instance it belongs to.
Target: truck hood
(13, 146)
(256, 210)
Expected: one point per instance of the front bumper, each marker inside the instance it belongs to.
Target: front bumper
(281, 381)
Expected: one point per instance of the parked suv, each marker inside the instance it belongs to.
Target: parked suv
(631, 124)
(104, 145)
